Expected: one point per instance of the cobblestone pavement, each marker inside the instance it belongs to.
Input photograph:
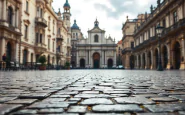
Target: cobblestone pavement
(92, 92)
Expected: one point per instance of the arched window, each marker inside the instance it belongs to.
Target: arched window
(10, 15)
(96, 38)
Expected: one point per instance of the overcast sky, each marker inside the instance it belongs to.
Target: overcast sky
(110, 13)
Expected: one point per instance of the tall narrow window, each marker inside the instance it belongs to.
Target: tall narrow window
(48, 43)
(41, 12)
(10, 15)
(164, 23)
(27, 6)
(53, 46)
(132, 45)
(96, 38)
(175, 17)
(37, 37)
(26, 32)
(41, 38)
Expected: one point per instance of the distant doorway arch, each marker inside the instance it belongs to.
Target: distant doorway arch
(156, 58)
(177, 56)
(110, 63)
(82, 63)
(132, 62)
(165, 57)
(9, 51)
(96, 60)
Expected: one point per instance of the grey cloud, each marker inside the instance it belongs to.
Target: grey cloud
(122, 6)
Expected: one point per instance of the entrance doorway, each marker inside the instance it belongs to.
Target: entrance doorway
(110, 63)
(9, 51)
(156, 58)
(25, 55)
(132, 62)
(177, 56)
(82, 63)
(165, 57)
(96, 60)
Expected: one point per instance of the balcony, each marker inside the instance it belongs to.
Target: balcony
(4, 25)
(127, 34)
(68, 56)
(40, 22)
(60, 38)
(40, 48)
(128, 49)
(69, 45)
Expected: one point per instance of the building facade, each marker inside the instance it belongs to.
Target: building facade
(119, 53)
(76, 36)
(128, 41)
(10, 29)
(30, 28)
(171, 15)
(96, 51)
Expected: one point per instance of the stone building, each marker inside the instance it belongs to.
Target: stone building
(30, 28)
(171, 15)
(119, 53)
(128, 41)
(76, 36)
(10, 29)
(96, 51)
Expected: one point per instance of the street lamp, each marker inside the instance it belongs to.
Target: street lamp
(159, 30)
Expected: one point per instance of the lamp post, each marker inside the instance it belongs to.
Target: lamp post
(159, 30)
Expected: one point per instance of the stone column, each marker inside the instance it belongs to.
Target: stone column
(146, 61)
(152, 60)
(141, 62)
(77, 60)
(182, 66)
(17, 52)
(4, 10)
(1, 10)
(105, 58)
(115, 58)
(137, 62)
(2, 48)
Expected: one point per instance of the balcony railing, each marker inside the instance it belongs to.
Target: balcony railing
(5, 25)
(41, 21)
(128, 49)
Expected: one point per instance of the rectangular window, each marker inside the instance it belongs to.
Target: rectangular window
(37, 37)
(132, 45)
(53, 45)
(40, 38)
(27, 6)
(26, 32)
(41, 12)
(164, 23)
(175, 17)
(48, 43)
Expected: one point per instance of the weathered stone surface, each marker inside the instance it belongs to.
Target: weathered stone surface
(22, 101)
(164, 99)
(96, 101)
(49, 105)
(133, 100)
(49, 111)
(5, 99)
(166, 107)
(92, 96)
(6, 108)
(156, 114)
(25, 112)
(179, 97)
(106, 114)
(77, 109)
(117, 108)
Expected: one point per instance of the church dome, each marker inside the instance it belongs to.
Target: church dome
(67, 4)
(75, 26)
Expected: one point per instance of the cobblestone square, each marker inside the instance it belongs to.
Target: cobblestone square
(92, 92)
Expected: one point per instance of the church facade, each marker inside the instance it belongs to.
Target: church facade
(96, 51)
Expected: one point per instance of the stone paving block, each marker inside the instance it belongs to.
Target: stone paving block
(164, 99)
(22, 101)
(92, 96)
(49, 111)
(181, 112)
(34, 96)
(166, 107)
(50, 100)
(156, 113)
(48, 105)
(90, 92)
(133, 100)
(6, 108)
(77, 109)
(179, 97)
(107, 114)
(116, 92)
(117, 108)
(25, 112)
(60, 96)
(5, 99)
(96, 101)
(74, 99)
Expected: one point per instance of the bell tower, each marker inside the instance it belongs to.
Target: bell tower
(67, 14)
